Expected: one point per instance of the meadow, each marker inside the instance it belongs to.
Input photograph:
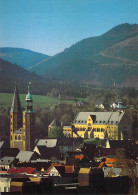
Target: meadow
(38, 100)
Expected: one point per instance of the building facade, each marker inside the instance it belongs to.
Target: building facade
(102, 125)
(22, 123)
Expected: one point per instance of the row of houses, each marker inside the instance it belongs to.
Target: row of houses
(73, 171)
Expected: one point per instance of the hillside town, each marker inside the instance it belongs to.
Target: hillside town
(96, 154)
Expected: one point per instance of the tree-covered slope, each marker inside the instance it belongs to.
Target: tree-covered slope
(22, 57)
(103, 60)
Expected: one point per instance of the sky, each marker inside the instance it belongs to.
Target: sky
(50, 26)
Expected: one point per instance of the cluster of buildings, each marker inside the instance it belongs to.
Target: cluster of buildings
(95, 156)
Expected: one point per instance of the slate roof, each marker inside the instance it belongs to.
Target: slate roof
(11, 152)
(102, 152)
(101, 117)
(48, 153)
(121, 143)
(55, 142)
(19, 131)
(64, 141)
(53, 123)
(16, 105)
(67, 127)
(1, 143)
(6, 160)
(47, 142)
(24, 156)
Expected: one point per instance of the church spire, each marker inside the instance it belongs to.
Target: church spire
(16, 105)
(29, 99)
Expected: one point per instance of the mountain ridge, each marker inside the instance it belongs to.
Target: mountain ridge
(20, 56)
(83, 61)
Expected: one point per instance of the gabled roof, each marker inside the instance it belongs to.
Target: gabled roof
(28, 170)
(102, 152)
(6, 160)
(53, 123)
(19, 131)
(64, 141)
(80, 157)
(47, 142)
(84, 170)
(24, 156)
(120, 143)
(101, 117)
(48, 152)
(16, 105)
(10, 152)
(1, 143)
(62, 169)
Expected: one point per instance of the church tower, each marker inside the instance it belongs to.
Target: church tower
(15, 116)
(28, 123)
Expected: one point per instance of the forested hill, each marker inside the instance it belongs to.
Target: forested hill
(9, 73)
(102, 60)
(22, 57)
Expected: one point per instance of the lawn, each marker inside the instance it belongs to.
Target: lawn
(38, 100)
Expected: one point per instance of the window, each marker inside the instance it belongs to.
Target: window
(4, 189)
(19, 137)
(15, 136)
(98, 130)
(11, 136)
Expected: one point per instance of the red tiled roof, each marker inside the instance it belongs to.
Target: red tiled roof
(28, 170)
(3, 171)
(80, 157)
(114, 162)
(69, 169)
(101, 164)
(47, 171)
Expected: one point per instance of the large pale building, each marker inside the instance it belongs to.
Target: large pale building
(102, 125)
(22, 123)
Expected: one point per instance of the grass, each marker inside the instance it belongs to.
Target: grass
(38, 100)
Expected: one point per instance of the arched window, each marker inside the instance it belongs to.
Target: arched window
(19, 137)
(11, 136)
(15, 136)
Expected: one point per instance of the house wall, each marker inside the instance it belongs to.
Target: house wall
(64, 149)
(5, 184)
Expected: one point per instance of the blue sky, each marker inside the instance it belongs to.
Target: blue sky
(50, 26)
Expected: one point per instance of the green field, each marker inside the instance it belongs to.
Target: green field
(38, 100)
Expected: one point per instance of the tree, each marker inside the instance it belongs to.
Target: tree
(66, 119)
(56, 132)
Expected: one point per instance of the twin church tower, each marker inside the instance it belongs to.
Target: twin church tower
(22, 130)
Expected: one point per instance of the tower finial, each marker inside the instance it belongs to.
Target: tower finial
(29, 84)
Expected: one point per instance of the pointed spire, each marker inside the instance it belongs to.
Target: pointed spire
(16, 105)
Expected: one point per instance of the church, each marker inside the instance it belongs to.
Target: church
(22, 129)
